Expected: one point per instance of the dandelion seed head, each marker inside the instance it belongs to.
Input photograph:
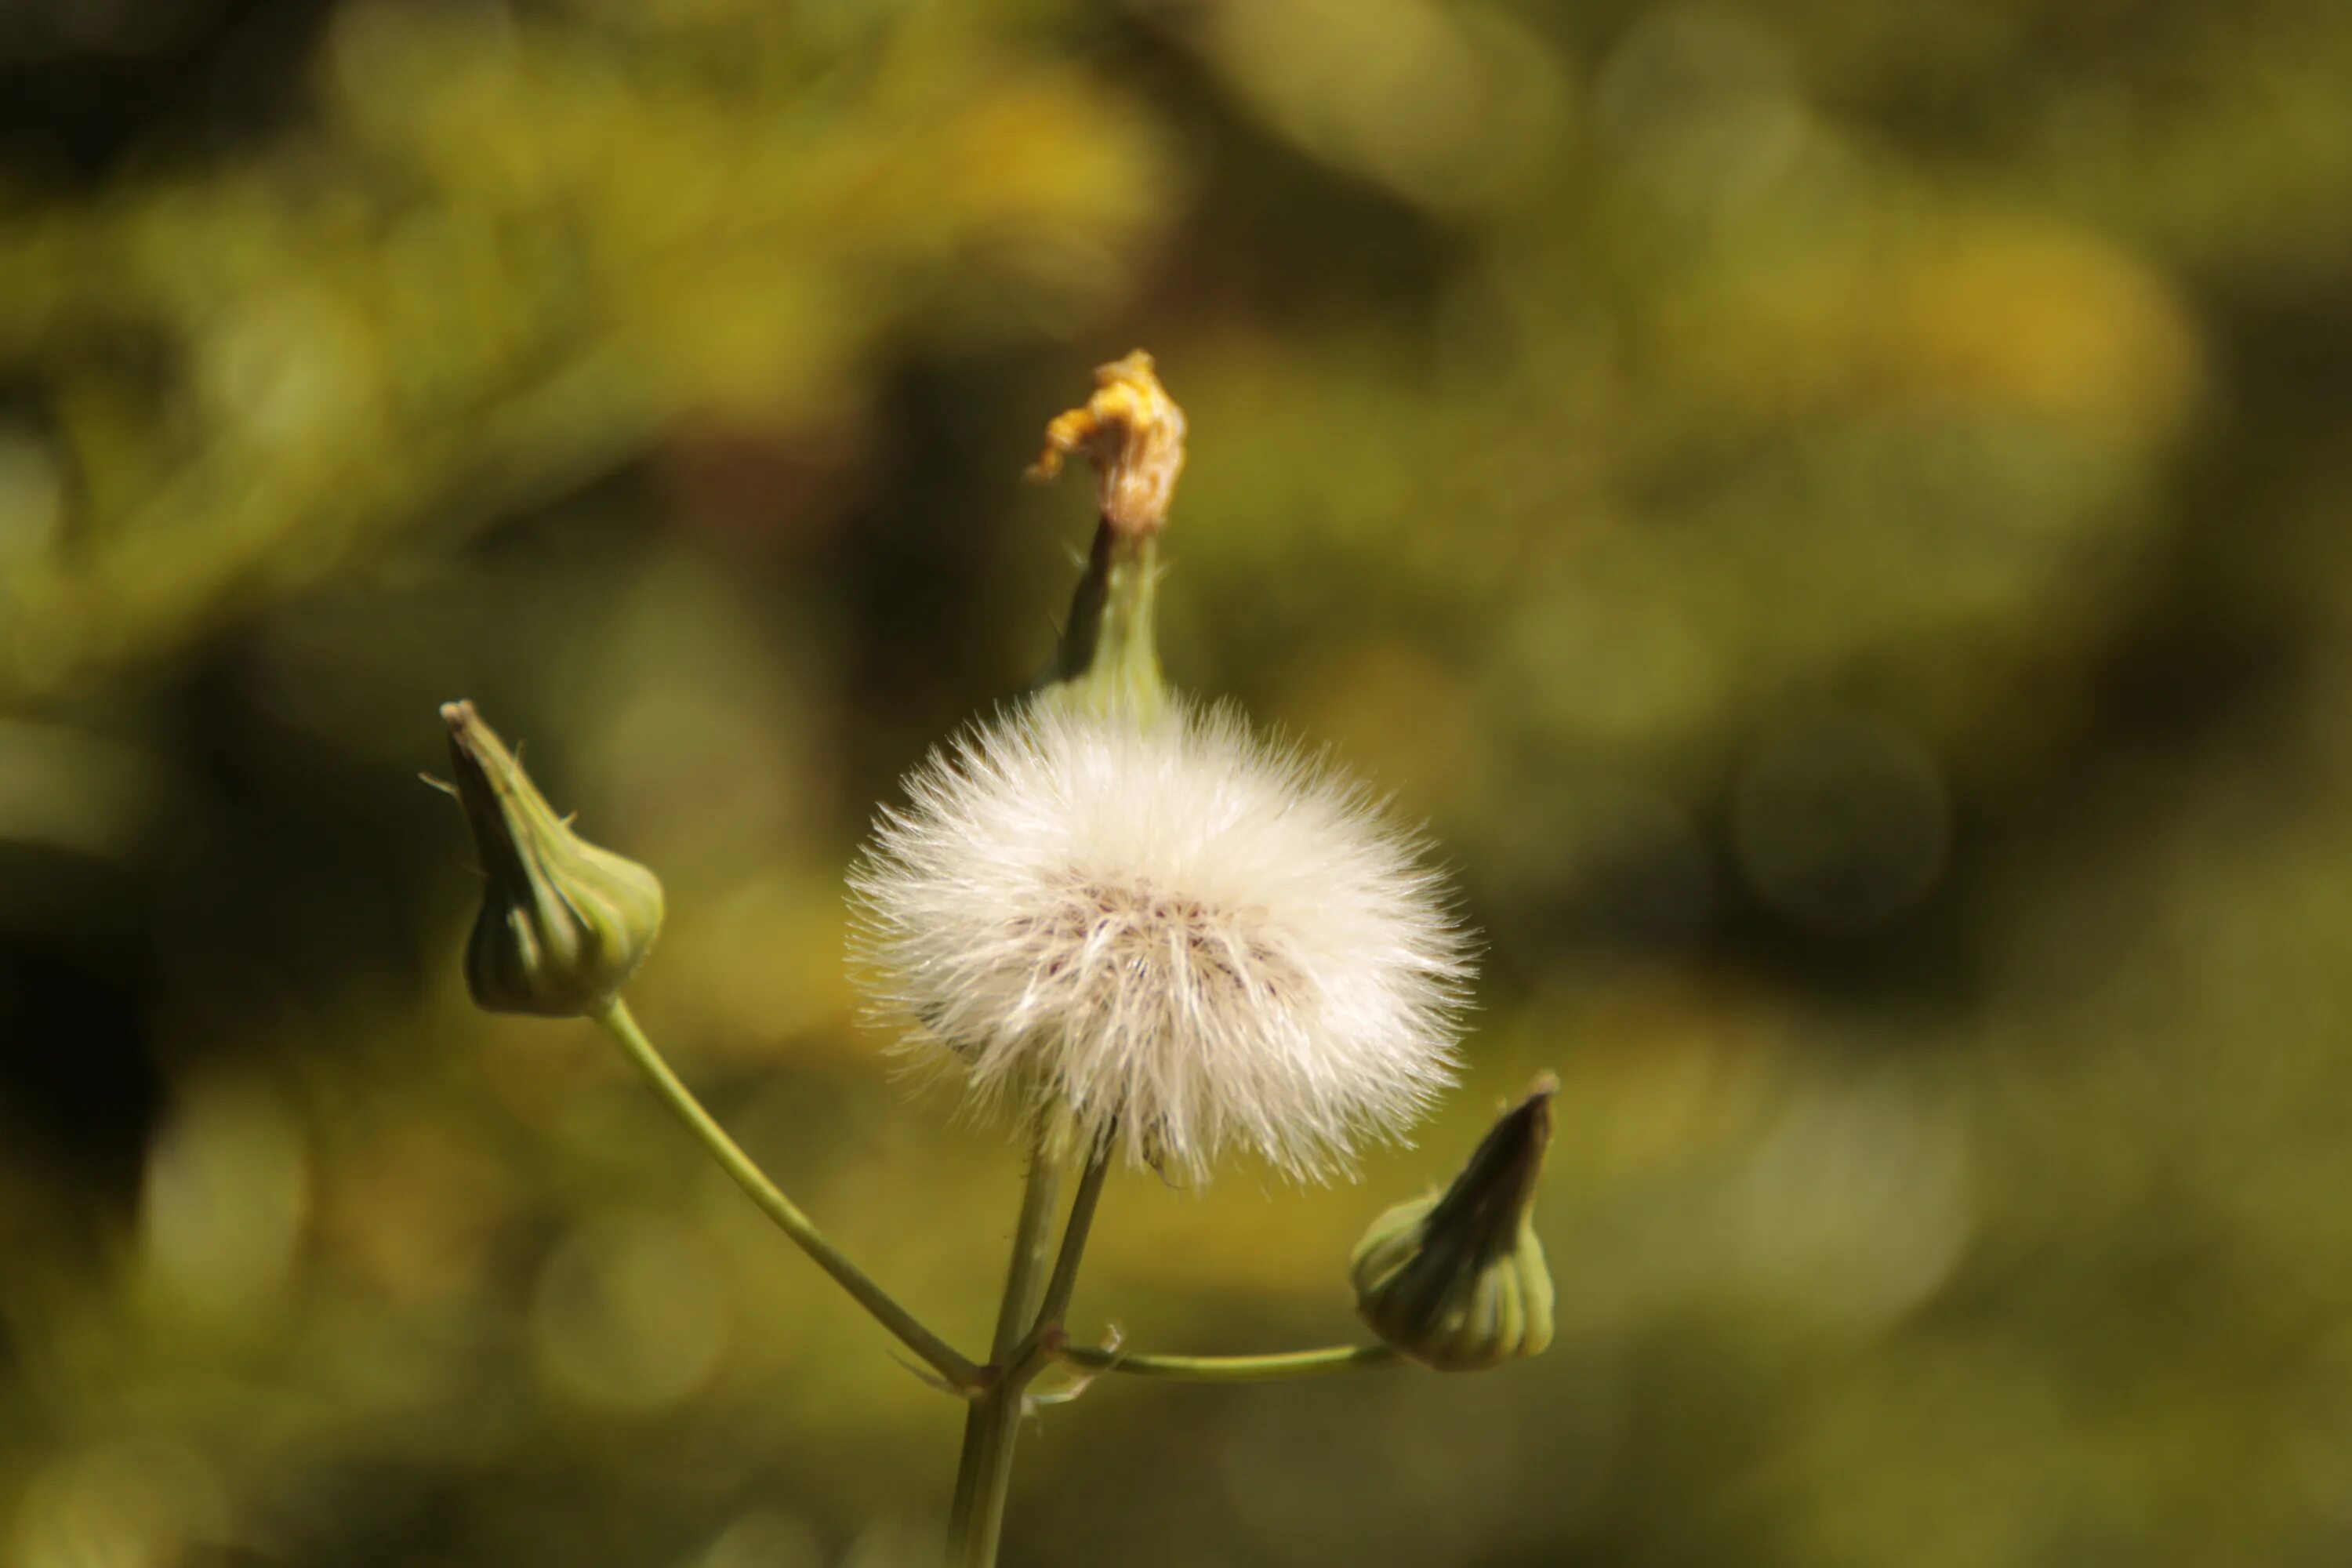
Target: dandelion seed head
(1197, 941)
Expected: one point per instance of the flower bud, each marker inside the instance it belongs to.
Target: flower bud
(1133, 433)
(1457, 1280)
(563, 923)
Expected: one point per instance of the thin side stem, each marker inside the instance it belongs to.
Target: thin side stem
(984, 1469)
(941, 1357)
(1233, 1368)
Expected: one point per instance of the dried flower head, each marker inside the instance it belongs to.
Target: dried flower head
(1192, 939)
(1134, 433)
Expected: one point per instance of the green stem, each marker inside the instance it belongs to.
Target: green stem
(1065, 1282)
(622, 1026)
(984, 1469)
(1233, 1368)
(1036, 1352)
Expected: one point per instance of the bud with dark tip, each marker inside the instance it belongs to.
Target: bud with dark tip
(563, 923)
(1457, 1280)
(1133, 432)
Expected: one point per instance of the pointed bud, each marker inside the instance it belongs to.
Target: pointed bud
(1133, 432)
(563, 923)
(1457, 1280)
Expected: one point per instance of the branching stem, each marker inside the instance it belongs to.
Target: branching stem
(984, 1476)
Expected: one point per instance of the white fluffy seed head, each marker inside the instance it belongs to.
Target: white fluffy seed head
(1194, 940)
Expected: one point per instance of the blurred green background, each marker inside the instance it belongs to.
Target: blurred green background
(1833, 512)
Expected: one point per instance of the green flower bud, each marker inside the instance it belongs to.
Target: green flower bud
(563, 924)
(1457, 1280)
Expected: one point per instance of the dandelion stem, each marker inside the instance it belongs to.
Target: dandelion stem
(1046, 1338)
(984, 1471)
(1065, 1282)
(1233, 1368)
(622, 1026)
